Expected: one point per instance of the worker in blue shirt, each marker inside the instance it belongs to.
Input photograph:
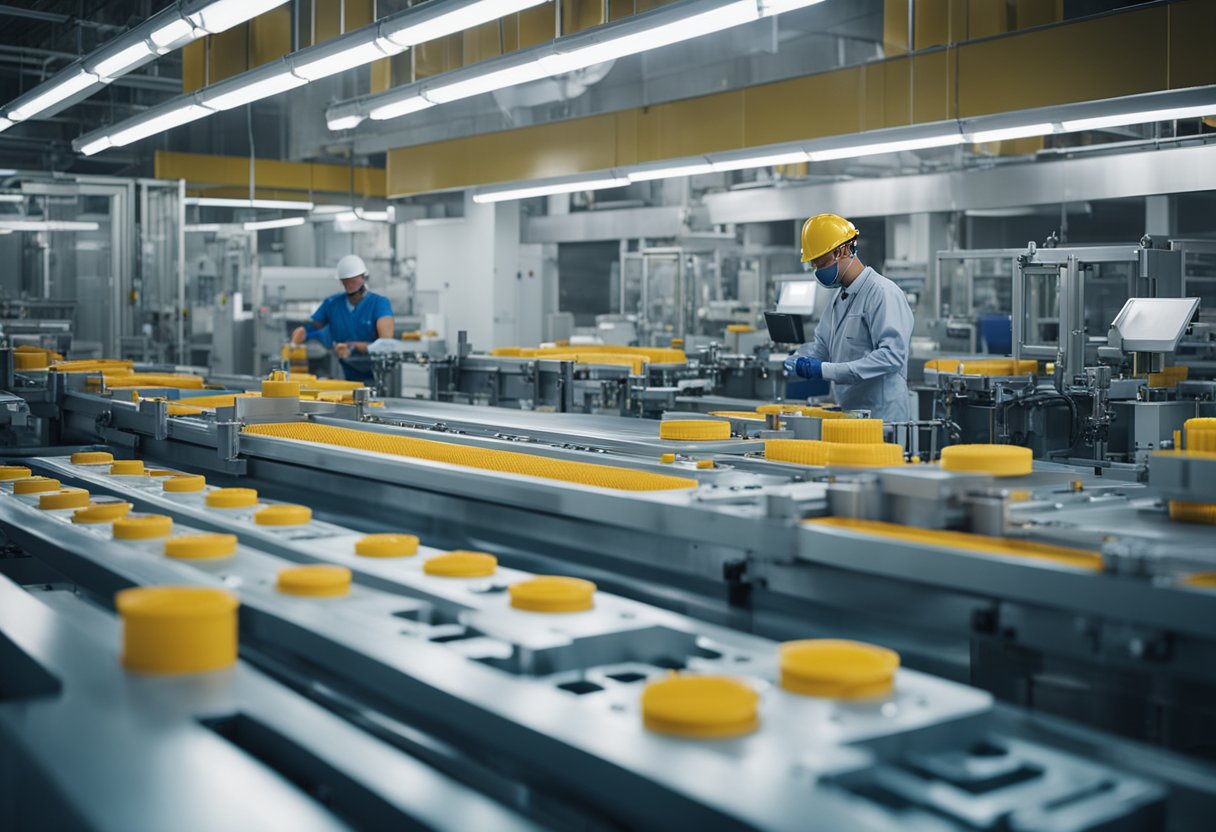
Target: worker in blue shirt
(350, 320)
(861, 342)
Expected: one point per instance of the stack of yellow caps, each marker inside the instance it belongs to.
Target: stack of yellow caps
(874, 455)
(694, 430)
(799, 451)
(853, 431)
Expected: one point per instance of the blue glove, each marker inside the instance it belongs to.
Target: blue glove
(804, 366)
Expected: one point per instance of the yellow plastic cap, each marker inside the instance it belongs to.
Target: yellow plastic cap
(740, 328)
(694, 430)
(184, 483)
(1200, 434)
(837, 668)
(14, 472)
(552, 593)
(853, 431)
(998, 460)
(177, 629)
(461, 564)
(35, 485)
(864, 456)
(387, 546)
(143, 527)
(1185, 512)
(66, 498)
(700, 707)
(319, 580)
(127, 467)
(705, 464)
(667, 459)
(233, 498)
(283, 514)
(272, 389)
(1203, 580)
(799, 451)
(101, 512)
(92, 458)
(201, 546)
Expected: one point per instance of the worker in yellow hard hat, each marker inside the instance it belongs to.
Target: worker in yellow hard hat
(861, 342)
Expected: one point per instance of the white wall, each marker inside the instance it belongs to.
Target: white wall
(471, 265)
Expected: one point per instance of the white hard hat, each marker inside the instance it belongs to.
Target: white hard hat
(351, 265)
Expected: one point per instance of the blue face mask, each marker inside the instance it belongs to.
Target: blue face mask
(829, 276)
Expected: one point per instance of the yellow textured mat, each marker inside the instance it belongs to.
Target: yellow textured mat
(982, 544)
(507, 462)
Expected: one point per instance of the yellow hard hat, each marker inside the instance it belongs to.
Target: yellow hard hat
(823, 233)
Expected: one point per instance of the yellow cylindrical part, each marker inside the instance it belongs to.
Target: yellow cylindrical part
(14, 472)
(877, 455)
(700, 707)
(201, 546)
(799, 451)
(461, 564)
(233, 498)
(101, 512)
(694, 430)
(552, 593)
(64, 498)
(387, 546)
(837, 668)
(143, 527)
(127, 468)
(320, 580)
(853, 431)
(92, 458)
(283, 514)
(35, 485)
(177, 629)
(184, 483)
(998, 460)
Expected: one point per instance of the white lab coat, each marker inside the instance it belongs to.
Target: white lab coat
(862, 339)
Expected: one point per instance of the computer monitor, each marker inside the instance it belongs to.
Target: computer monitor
(784, 328)
(797, 297)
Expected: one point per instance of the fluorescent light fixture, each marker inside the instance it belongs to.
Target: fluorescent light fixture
(875, 148)
(223, 202)
(456, 19)
(247, 92)
(56, 93)
(12, 197)
(184, 114)
(171, 32)
(686, 28)
(486, 82)
(1142, 117)
(553, 188)
(742, 163)
(122, 61)
(349, 58)
(344, 123)
(96, 146)
(768, 8)
(330, 209)
(7, 171)
(48, 225)
(1026, 131)
(286, 222)
(224, 14)
(400, 108)
(690, 169)
(5, 124)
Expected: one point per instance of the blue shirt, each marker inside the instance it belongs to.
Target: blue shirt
(862, 340)
(341, 323)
